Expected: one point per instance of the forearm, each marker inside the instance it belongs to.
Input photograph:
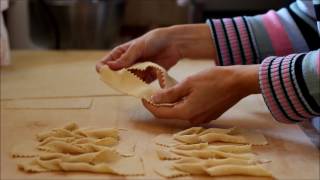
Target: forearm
(193, 41)
(247, 78)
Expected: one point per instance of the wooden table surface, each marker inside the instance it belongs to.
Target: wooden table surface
(292, 153)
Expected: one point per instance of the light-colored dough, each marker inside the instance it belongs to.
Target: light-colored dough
(192, 168)
(216, 137)
(252, 136)
(192, 146)
(250, 170)
(194, 151)
(231, 148)
(102, 133)
(129, 83)
(165, 154)
(73, 149)
(197, 135)
(188, 139)
(190, 131)
(217, 130)
(206, 154)
(167, 170)
(165, 140)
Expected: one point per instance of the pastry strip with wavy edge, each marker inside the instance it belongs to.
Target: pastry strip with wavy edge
(127, 82)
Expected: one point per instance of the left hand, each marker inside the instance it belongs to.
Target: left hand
(207, 95)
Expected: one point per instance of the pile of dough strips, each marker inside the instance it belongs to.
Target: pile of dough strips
(73, 149)
(194, 151)
(199, 151)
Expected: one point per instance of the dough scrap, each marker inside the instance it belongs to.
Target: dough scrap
(217, 130)
(206, 154)
(167, 170)
(70, 148)
(192, 146)
(102, 133)
(191, 152)
(190, 131)
(197, 135)
(252, 136)
(192, 168)
(216, 137)
(165, 140)
(165, 154)
(232, 148)
(127, 80)
(188, 139)
(250, 170)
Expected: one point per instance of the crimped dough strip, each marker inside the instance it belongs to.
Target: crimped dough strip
(127, 82)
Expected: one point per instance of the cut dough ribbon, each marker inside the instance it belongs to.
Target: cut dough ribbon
(193, 152)
(70, 148)
(128, 81)
(196, 135)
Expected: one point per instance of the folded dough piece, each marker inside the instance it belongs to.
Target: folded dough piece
(126, 81)
(230, 169)
(95, 162)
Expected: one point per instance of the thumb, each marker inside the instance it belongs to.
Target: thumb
(170, 95)
(127, 59)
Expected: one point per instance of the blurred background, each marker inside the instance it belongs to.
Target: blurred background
(103, 24)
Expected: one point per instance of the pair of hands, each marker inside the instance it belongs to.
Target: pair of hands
(199, 98)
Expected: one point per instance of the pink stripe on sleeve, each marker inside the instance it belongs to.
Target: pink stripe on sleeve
(222, 42)
(289, 86)
(233, 39)
(279, 90)
(318, 63)
(277, 34)
(266, 91)
(244, 40)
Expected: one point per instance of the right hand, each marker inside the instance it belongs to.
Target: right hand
(164, 46)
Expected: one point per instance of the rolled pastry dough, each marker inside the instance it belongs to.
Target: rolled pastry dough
(126, 81)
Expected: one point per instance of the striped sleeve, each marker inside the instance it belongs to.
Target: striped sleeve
(248, 40)
(316, 4)
(291, 86)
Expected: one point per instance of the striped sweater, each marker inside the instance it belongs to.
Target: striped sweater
(286, 45)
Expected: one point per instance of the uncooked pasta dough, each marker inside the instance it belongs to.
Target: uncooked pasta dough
(196, 135)
(127, 80)
(73, 149)
(198, 151)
